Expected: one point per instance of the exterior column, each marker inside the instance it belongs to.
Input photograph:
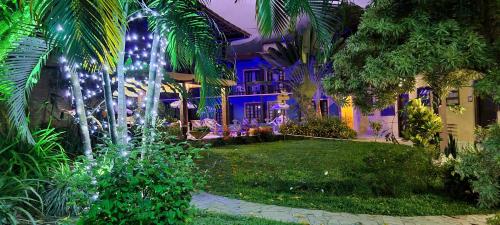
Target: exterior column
(183, 114)
(225, 111)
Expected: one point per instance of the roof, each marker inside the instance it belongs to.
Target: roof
(231, 31)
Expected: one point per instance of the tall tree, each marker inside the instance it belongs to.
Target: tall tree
(190, 44)
(82, 30)
(154, 67)
(305, 55)
(121, 127)
(108, 98)
(400, 40)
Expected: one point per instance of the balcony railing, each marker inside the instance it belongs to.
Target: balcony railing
(261, 87)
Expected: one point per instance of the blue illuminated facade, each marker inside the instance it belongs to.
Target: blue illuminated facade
(258, 85)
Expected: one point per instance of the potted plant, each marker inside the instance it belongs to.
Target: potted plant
(200, 132)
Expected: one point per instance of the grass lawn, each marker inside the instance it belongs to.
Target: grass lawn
(219, 219)
(320, 174)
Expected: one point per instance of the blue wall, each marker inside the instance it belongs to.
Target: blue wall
(254, 63)
(238, 102)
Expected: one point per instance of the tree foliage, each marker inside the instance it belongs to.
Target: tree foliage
(444, 41)
(326, 18)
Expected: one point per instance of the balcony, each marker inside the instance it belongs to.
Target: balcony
(261, 87)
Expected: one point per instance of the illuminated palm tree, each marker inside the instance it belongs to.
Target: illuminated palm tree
(80, 30)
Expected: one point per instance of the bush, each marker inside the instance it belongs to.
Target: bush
(19, 201)
(383, 171)
(58, 193)
(130, 189)
(32, 161)
(421, 125)
(25, 171)
(480, 165)
(329, 127)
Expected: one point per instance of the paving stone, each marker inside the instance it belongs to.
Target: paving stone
(219, 204)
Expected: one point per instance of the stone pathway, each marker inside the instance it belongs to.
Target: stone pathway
(219, 204)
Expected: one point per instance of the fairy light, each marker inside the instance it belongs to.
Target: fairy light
(92, 82)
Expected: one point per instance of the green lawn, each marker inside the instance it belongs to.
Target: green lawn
(219, 219)
(322, 174)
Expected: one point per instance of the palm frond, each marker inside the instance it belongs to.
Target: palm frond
(15, 23)
(84, 29)
(21, 71)
(272, 17)
(191, 41)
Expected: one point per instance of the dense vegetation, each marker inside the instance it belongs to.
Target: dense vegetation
(446, 42)
(339, 176)
(329, 127)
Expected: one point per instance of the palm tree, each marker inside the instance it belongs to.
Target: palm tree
(108, 98)
(120, 77)
(306, 73)
(327, 25)
(190, 44)
(81, 30)
(305, 56)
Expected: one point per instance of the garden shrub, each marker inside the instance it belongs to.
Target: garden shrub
(393, 172)
(421, 125)
(25, 171)
(329, 127)
(19, 201)
(480, 165)
(455, 186)
(130, 189)
(58, 194)
(37, 161)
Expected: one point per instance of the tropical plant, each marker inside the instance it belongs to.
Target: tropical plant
(58, 194)
(154, 188)
(32, 161)
(19, 201)
(452, 148)
(421, 125)
(302, 55)
(280, 16)
(445, 42)
(85, 32)
(480, 165)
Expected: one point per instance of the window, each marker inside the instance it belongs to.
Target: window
(453, 98)
(254, 75)
(253, 111)
(218, 114)
(323, 104)
(389, 111)
(275, 75)
(324, 107)
(424, 93)
(248, 76)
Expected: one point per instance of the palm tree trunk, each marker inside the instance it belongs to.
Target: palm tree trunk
(108, 97)
(158, 84)
(120, 74)
(153, 71)
(82, 115)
